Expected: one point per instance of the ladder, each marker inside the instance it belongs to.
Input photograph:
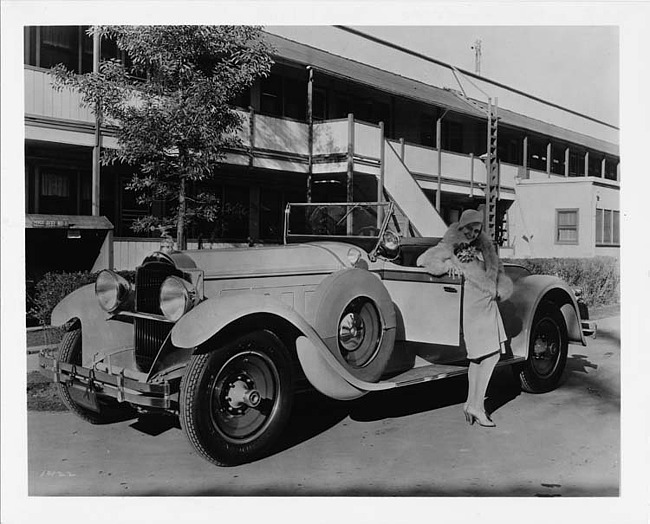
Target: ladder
(490, 111)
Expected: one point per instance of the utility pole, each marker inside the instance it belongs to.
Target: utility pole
(477, 56)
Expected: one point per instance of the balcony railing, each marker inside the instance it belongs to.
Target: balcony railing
(283, 144)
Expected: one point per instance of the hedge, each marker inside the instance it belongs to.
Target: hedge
(53, 287)
(598, 277)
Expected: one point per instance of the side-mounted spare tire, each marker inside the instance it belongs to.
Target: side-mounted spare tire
(354, 315)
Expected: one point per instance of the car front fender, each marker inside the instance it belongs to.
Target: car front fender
(100, 334)
(519, 310)
(321, 368)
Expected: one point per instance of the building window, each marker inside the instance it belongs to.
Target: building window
(284, 96)
(566, 226)
(607, 227)
(537, 154)
(452, 136)
(576, 163)
(595, 164)
(557, 159)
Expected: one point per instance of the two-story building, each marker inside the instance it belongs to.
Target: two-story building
(324, 126)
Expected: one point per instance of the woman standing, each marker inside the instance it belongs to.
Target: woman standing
(466, 250)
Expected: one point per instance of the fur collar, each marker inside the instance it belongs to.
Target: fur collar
(455, 236)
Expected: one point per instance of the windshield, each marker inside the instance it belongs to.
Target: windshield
(356, 219)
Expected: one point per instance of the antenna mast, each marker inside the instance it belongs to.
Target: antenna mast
(477, 56)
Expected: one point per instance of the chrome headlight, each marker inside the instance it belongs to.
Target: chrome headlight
(112, 290)
(177, 297)
(390, 241)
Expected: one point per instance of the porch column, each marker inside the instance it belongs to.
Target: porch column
(602, 167)
(439, 148)
(525, 153)
(566, 162)
(382, 169)
(350, 157)
(310, 129)
(587, 163)
(548, 159)
(98, 135)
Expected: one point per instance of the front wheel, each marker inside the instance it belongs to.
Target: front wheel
(235, 400)
(108, 410)
(547, 350)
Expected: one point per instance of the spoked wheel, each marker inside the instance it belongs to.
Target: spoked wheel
(236, 400)
(547, 351)
(109, 410)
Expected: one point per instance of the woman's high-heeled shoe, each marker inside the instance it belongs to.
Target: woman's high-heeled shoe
(483, 418)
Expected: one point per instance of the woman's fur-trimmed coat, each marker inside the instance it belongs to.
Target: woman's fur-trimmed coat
(492, 280)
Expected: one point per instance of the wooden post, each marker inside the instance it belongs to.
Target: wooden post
(602, 167)
(525, 153)
(587, 163)
(548, 159)
(95, 197)
(350, 184)
(310, 129)
(439, 148)
(349, 187)
(380, 185)
(566, 162)
(251, 135)
(471, 174)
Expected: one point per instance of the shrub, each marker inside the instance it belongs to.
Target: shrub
(598, 277)
(54, 286)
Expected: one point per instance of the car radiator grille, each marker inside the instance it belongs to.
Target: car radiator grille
(150, 333)
(149, 337)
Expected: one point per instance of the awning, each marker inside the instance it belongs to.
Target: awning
(67, 222)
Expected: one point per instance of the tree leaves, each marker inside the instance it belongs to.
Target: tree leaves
(169, 105)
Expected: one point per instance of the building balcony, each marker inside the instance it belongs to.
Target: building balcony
(283, 144)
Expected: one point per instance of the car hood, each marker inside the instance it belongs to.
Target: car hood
(265, 260)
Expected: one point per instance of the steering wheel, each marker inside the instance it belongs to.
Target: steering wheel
(368, 231)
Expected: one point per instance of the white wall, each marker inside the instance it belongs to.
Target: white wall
(533, 215)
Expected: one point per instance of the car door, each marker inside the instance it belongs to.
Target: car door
(429, 310)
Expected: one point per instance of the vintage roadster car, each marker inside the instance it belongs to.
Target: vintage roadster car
(225, 338)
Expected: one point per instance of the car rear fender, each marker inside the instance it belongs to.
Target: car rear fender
(99, 334)
(213, 316)
(519, 310)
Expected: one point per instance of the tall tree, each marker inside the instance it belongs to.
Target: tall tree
(171, 105)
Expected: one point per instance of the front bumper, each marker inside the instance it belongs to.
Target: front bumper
(103, 384)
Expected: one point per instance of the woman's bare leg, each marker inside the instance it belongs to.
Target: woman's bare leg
(479, 375)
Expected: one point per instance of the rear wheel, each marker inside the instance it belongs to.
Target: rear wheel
(235, 400)
(109, 410)
(547, 350)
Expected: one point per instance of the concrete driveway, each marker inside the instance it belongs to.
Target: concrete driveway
(408, 442)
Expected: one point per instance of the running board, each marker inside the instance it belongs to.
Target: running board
(432, 372)
(330, 377)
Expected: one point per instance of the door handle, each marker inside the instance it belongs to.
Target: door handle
(450, 289)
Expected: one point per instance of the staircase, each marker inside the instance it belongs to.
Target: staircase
(408, 196)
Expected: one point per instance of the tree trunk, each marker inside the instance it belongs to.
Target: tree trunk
(181, 242)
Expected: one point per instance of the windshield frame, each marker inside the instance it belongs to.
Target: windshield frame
(386, 207)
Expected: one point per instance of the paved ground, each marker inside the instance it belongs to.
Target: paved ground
(408, 442)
